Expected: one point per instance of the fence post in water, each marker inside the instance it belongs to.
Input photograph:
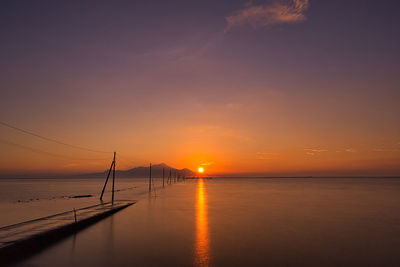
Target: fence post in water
(75, 215)
(150, 179)
(162, 177)
(113, 180)
(170, 176)
(108, 175)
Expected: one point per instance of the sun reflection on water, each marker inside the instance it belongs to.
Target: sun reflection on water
(202, 245)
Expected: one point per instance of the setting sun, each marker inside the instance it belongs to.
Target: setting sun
(201, 170)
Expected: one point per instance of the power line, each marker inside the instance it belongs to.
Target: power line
(51, 139)
(44, 152)
(127, 160)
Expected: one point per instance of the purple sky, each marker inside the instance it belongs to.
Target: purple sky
(289, 86)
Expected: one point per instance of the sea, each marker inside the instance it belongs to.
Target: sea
(218, 221)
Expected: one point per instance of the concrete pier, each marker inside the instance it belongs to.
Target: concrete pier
(23, 239)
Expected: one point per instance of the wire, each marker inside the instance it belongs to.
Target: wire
(44, 152)
(126, 160)
(124, 164)
(51, 139)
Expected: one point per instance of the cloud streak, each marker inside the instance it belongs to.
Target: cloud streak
(266, 15)
(265, 155)
(313, 151)
(316, 150)
(385, 150)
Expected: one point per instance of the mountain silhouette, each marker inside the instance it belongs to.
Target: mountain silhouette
(142, 171)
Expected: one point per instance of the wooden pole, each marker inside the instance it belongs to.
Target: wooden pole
(162, 177)
(108, 175)
(113, 180)
(170, 176)
(75, 216)
(150, 179)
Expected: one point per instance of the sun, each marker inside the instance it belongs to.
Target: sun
(201, 170)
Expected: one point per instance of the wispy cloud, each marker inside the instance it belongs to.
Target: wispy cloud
(313, 151)
(93, 163)
(207, 163)
(348, 150)
(380, 149)
(265, 15)
(193, 47)
(265, 155)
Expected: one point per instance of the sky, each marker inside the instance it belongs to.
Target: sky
(274, 87)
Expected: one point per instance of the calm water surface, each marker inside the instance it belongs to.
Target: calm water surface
(244, 222)
(27, 199)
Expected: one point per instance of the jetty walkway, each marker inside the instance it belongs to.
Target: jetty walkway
(19, 240)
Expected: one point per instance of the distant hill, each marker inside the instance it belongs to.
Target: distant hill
(140, 172)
